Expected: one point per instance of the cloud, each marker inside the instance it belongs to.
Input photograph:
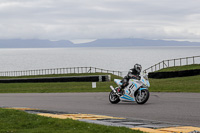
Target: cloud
(89, 19)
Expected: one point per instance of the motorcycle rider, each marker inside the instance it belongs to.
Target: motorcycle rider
(133, 73)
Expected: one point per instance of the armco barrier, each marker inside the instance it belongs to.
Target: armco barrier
(98, 78)
(159, 75)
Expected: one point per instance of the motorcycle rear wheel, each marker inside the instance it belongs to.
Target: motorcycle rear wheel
(113, 98)
(143, 97)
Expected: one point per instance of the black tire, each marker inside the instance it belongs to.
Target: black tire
(143, 98)
(113, 98)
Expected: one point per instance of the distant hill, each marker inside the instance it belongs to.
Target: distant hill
(33, 43)
(126, 42)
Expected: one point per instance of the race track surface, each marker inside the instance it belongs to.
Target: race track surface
(175, 108)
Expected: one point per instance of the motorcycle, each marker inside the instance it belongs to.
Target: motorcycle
(136, 90)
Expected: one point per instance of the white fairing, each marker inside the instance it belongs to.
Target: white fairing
(133, 86)
(145, 81)
(118, 81)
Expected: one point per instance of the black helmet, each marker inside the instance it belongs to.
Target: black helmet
(138, 67)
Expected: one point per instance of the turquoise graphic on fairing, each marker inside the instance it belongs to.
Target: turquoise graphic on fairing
(136, 90)
(134, 84)
(142, 89)
(126, 97)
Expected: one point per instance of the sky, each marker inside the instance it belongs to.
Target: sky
(96, 19)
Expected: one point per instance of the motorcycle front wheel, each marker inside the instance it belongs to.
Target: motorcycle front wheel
(113, 98)
(142, 97)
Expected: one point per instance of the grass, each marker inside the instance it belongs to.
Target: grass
(180, 84)
(54, 87)
(61, 75)
(180, 68)
(58, 87)
(15, 121)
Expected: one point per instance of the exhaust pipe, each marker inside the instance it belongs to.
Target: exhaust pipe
(112, 88)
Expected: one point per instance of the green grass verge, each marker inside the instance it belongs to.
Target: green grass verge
(180, 84)
(58, 87)
(61, 75)
(180, 68)
(14, 121)
(54, 87)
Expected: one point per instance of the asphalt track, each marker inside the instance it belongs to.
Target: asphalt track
(176, 108)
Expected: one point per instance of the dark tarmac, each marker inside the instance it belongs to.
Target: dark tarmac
(175, 108)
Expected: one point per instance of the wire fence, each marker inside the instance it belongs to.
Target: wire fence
(71, 70)
(173, 63)
(76, 70)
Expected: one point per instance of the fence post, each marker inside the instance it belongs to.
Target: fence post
(193, 60)
(174, 62)
(163, 64)
(168, 62)
(186, 60)
(159, 65)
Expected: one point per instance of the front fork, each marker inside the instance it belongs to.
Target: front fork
(140, 90)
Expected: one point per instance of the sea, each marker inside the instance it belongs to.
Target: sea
(111, 58)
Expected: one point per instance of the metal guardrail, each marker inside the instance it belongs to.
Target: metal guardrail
(71, 70)
(173, 62)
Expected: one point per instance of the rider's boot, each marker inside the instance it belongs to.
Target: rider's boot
(120, 90)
